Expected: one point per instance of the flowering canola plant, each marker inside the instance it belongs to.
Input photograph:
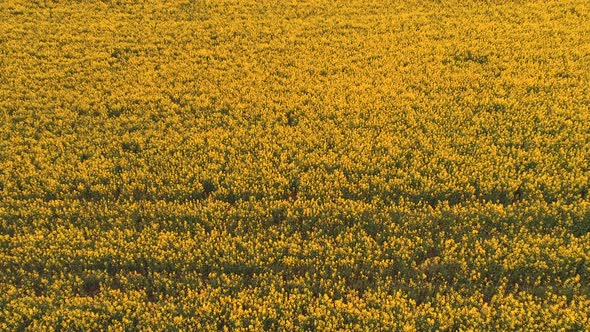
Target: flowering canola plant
(294, 165)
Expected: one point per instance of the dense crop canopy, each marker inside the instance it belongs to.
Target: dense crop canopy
(294, 165)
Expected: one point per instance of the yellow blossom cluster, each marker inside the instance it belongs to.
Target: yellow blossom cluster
(362, 165)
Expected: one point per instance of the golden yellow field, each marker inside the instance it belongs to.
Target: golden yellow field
(362, 165)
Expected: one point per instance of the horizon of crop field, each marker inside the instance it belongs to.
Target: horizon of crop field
(294, 165)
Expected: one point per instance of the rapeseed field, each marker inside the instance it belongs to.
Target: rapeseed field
(313, 165)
